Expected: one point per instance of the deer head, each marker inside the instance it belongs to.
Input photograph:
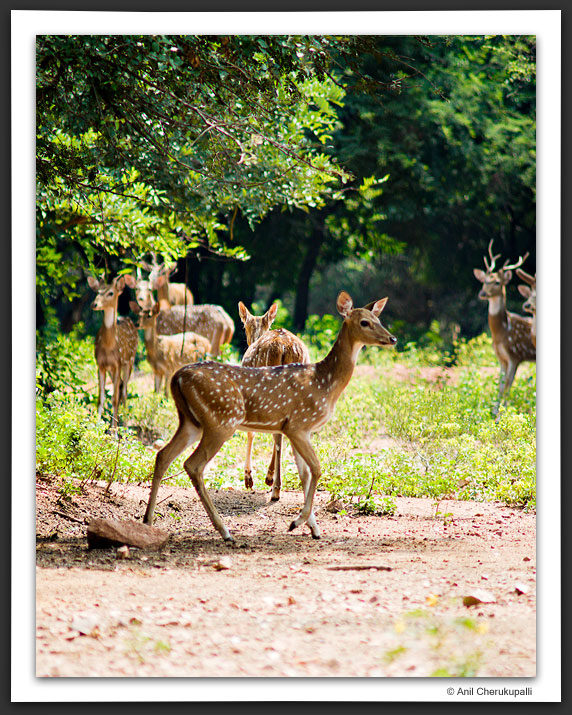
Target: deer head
(495, 281)
(363, 324)
(107, 293)
(527, 291)
(255, 326)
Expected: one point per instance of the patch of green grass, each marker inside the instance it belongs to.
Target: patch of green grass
(438, 440)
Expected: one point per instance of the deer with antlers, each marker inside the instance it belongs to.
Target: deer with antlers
(214, 399)
(529, 292)
(115, 343)
(268, 347)
(510, 332)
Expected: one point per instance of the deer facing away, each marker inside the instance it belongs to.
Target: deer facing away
(167, 353)
(529, 292)
(213, 400)
(510, 332)
(115, 343)
(268, 347)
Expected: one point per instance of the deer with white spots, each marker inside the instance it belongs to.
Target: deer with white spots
(268, 347)
(209, 320)
(167, 353)
(529, 292)
(115, 343)
(510, 332)
(213, 400)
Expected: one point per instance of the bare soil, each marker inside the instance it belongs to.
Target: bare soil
(375, 596)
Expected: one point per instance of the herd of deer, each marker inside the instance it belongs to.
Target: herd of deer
(276, 389)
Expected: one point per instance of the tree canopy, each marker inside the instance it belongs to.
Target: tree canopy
(294, 152)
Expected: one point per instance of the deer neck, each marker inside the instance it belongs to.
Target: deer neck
(107, 331)
(498, 321)
(338, 365)
(150, 338)
(163, 296)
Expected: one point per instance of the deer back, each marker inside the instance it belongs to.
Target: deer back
(179, 294)
(204, 320)
(276, 347)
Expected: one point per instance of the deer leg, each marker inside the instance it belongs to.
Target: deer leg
(304, 472)
(301, 444)
(185, 435)
(101, 396)
(274, 476)
(510, 373)
(157, 382)
(125, 379)
(502, 382)
(116, 376)
(248, 483)
(209, 445)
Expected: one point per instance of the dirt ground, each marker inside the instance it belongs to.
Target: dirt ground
(375, 596)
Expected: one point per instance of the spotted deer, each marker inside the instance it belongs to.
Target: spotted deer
(115, 343)
(167, 353)
(215, 399)
(510, 332)
(210, 321)
(529, 292)
(268, 347)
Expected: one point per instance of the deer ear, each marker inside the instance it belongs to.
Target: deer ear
(159, 281)
(344, 304)
(271, 313)
(135, 307)
(130, 280)
(524, 291)
(120, 283)
(378, 306)
(506, 276)
(93, 282)
(243, 311)
(480, 275)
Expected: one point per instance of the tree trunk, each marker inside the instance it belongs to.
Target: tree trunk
(314, 245)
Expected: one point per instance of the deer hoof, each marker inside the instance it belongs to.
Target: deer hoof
(275, 498)
(316, 536)
(269, 479)
(292, 526)
(248, 482)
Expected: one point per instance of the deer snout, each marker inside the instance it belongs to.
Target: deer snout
(482, 294)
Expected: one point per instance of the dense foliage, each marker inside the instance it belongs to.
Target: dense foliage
(287, 168)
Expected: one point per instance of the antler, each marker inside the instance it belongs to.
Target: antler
(520, 261)
(531, 280)
(491, 268)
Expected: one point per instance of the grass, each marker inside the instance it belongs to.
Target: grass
(439, 439)
(452, 647)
